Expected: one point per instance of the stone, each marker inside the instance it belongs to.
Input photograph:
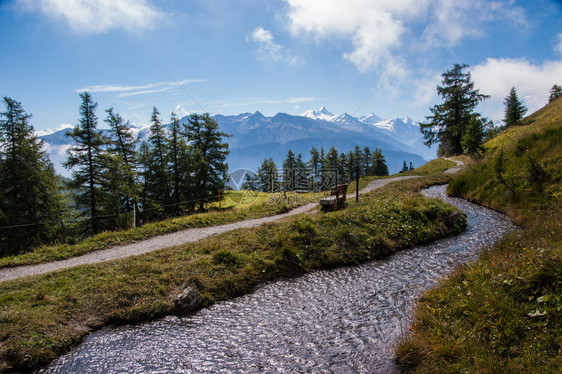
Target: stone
(188, 301)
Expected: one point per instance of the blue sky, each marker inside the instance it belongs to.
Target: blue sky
(229, 57)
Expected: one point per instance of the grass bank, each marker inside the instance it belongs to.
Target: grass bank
(504, 312)
(43, 316)
(236, 205)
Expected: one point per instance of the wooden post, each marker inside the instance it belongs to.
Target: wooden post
(356, 183)
(220, 206)
(134, 216)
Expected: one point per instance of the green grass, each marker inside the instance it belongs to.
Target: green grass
(236, 205)
(43, 316)
(504, 312)
(431, 168)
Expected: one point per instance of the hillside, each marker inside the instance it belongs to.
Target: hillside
(504, 312)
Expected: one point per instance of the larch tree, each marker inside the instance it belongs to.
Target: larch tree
(555, 93)
(156, 175)
(473, 138)
(122, 171)
(268, 176)
(514, 109)
(289, 167)
(87, 161)
(30, 204)
(209, 154)
(448, 122)
(380, 168)
(179, 164)
(315, 163)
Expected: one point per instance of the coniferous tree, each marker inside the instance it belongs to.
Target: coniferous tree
(555, 93)
(404, 167)
(144, 174)
(122, 169)
(473, 139)
(156, 176)
(447, 124)
(380, 168)
(367, 159)
(301, 175)
(514, 109)
(251, 182)
(315, 164)
(332, 159)
(208, 154)
(352, 162)
(179, 165)
(268, 176)
(87, 161)
(343, 165)
(289, 167)
(29, 195)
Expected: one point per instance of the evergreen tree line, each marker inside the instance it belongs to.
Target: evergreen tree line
(454, 124)
(322, 170)
(175, 170)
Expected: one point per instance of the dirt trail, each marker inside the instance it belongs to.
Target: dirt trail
(167, 240)
(456, 168)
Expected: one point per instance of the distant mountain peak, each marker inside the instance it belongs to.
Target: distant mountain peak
(370, 119)
(321, 113)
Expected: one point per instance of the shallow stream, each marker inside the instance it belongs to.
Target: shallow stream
(346, 320)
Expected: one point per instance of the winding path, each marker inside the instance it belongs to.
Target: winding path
(454, 169)
(167, 240)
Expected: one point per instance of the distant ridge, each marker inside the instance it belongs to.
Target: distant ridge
(256, 137)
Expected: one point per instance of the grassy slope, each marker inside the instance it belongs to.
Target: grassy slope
(43, 316)
(236, 206)
(503, 313)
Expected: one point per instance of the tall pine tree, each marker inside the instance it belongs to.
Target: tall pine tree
(179, 165)
(448, 123)
(268, 176)
(473, 139)
(122, 169)
(380, 168)
(87, 161)
(555, 93)
(29, 197)
(514, 109)
(209, 156)
(156, 175)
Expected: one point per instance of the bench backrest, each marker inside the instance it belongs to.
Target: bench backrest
(339, 190)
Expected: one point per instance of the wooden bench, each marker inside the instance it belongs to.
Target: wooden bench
(336, 200)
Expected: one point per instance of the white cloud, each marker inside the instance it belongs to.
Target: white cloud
(558, 45)
(379, 29)
(138, 90)
(532, 81)
(98, 16)
(50, 131)
(268, 49)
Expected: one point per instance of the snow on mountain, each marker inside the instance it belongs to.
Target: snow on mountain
(370, 119)
(322, 113)
(255, 137)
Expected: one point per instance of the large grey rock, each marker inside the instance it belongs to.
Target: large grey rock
(188, 300)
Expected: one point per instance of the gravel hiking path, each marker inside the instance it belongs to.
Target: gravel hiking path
(167, 240)
(456, 168)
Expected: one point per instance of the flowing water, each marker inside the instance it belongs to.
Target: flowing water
(346, 320)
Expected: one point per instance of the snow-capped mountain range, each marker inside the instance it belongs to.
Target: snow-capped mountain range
(256, 137)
